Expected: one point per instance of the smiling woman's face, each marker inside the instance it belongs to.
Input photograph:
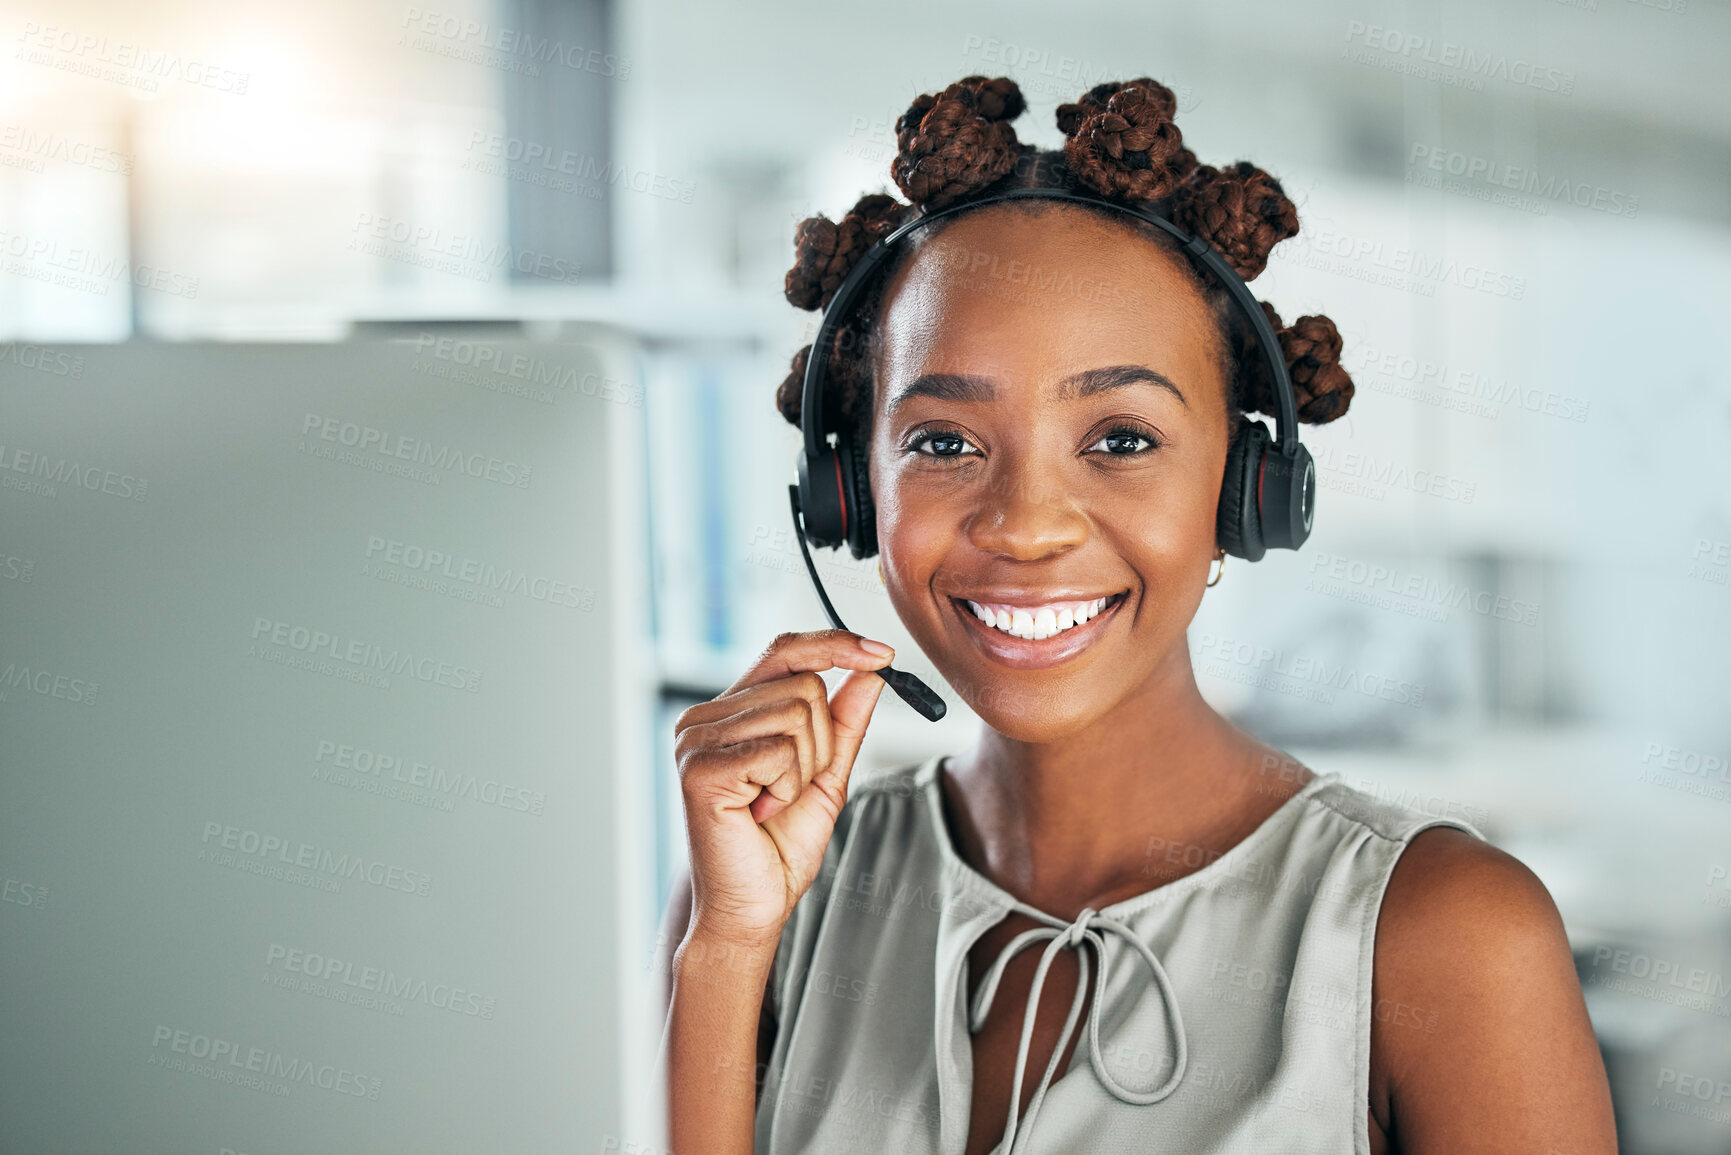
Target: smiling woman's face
(1049, 431)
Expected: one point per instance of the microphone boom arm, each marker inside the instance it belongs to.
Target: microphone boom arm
(909, 688)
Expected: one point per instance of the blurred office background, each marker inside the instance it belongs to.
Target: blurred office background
(453, 328)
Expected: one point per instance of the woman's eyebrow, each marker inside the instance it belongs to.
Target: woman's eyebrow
(1092, 381)
(945, 387)
(962, 387)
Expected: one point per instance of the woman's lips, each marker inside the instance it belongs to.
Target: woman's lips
(1044, 649)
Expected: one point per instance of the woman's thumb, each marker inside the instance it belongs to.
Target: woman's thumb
(850, 711)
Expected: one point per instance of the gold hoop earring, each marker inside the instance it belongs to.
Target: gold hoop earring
(880, 571)
(1221, 558)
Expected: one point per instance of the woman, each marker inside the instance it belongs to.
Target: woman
(1257, 957)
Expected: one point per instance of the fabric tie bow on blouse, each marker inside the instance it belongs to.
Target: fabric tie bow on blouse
(1088, 927)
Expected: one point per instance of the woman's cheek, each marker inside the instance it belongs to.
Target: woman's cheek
(912, 544)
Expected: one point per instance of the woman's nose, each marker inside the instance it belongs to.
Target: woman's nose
(1023, 516)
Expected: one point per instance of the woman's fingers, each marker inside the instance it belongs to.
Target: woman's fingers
(850, 712)
(773, 747)
(801, 830)
(812, 653)
(808, 687)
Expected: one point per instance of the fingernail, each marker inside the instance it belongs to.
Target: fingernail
(877, 648)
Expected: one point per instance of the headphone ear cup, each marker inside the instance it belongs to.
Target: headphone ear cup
(862, 539)
(823, 499)
(1238, 519)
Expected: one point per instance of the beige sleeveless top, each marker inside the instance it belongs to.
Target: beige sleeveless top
(1231, 1011)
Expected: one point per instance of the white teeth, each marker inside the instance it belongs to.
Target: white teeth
(1039, 623)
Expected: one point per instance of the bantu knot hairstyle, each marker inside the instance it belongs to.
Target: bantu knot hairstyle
(1121, 140)
(1122, 143)
(1311, 346)
(958, 141)
(825, 251)
(1242, 211)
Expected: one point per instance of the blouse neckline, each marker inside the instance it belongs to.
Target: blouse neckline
(927, 780)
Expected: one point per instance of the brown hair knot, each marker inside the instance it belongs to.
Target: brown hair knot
(826, 251)
(1241, 211)
(958, 141)
(1311, 347)
(1122, 141)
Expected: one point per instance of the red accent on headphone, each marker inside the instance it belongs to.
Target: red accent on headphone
(841, 496)
(1261, 469)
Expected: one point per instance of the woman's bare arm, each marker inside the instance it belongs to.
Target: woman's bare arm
(763, 772)
(1480, 1037)
(675, 922)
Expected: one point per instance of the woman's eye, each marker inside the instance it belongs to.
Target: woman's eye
(1122, 443)
(942, 445)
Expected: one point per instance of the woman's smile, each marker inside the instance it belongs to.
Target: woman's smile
(1034, 632)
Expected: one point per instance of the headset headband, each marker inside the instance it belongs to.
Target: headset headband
(812, 414)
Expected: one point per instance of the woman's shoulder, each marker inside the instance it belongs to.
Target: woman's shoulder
(1393, 816)
(1470, 934)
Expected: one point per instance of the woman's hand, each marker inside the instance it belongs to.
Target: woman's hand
(764, 770)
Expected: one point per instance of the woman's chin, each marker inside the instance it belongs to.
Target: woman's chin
(1032, 716)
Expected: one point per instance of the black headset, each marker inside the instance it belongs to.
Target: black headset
(1267, 496)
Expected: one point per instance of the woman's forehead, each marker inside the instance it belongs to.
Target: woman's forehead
(1039, 296)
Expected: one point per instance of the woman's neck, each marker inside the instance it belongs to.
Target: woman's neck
(1155, 789)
